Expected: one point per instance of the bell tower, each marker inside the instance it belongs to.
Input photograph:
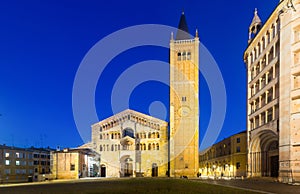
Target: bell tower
(184, 102)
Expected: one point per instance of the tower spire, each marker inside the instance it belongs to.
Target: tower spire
(183, 31)
(255, 25)
(256, 19)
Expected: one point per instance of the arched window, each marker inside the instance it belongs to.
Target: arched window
(118, 147)
(112, 147)
(184, 56)
(189, 56)
(104, 147)
(157, 134)
(268, 37)
(101, 148)
(153, 135)
(100, 136)
(157, 146)
(112, 136)
(149, 135)
(153, 146)
(144, 146)
(263, 43)
(128, 132)
(107, 147)
(178, 56)
(149, 146)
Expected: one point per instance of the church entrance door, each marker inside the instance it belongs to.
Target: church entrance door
(103, 171)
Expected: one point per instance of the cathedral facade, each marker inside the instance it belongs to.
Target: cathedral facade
(132, 144)
(273, 93)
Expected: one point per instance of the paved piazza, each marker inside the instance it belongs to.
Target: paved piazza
(84, 186)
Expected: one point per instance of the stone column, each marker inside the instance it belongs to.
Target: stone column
(260, 86)
(260, 120)
(260, 101)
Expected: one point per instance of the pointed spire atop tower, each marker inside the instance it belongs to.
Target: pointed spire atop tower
(255, 25)
(183, 31)
(256, 20)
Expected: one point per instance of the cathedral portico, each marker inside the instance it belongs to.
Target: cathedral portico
(263, 151)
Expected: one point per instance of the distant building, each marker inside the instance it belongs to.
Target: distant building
(24, 164)
(227, 158)
(131, 144)
(272, 59)
(41, 163)
(74, 163)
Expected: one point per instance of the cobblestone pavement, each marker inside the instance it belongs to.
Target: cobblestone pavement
(262, 185)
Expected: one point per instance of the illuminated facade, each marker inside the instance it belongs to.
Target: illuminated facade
(227, 158)
(184, 102)
(273, 71)
(131, 144)
(74, 163)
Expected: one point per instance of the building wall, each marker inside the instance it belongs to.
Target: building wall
(21, 165)
(290, 96)
(226, 158)
(273, 118)
(72, 163)
(145, 147)
(41, 162)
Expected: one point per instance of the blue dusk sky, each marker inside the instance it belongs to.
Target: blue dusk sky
(42, 44)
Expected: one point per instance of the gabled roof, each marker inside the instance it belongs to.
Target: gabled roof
(132, 113)
(183, 31)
